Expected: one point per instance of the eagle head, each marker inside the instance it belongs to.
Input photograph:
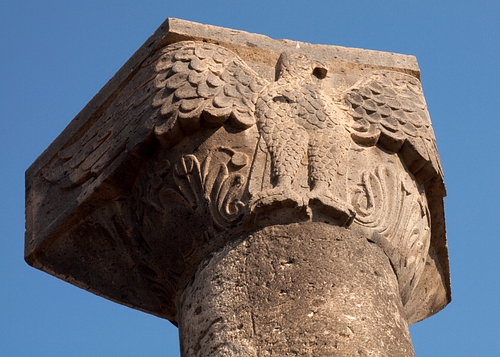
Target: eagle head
(293, 64)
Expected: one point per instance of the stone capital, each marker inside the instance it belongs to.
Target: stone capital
(207, 141)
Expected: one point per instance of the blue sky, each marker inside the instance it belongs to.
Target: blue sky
(55, 55)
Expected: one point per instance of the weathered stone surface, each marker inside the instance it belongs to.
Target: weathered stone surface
(180, 187)
(308, 289)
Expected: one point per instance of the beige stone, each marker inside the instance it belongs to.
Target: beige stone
(271, 198)
(306, 289)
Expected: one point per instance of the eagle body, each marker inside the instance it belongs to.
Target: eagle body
(297, 121)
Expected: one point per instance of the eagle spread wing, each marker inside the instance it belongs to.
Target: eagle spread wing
(389, 110)
(191, 83)
(205, 83)
(121, 126)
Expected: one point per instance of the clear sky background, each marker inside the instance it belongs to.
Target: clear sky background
(55, 55)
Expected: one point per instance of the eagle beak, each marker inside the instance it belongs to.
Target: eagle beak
(320, 70)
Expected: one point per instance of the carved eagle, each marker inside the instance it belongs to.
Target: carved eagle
(196, 84)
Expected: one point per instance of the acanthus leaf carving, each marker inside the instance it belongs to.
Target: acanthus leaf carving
(209, 185)
(395, 209)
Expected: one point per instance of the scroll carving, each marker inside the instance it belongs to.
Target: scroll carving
(211, 184)
(395, 209)
(207, 186)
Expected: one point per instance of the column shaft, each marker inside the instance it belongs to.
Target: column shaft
(305, 289)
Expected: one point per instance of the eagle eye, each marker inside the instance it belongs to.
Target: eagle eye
(320, 72)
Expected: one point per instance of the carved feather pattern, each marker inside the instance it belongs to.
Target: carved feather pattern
(201, 82)
(389, 110)
(189, 81)
(122, 127)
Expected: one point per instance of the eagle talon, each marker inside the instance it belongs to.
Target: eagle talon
(276, 196)
(331, 205)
